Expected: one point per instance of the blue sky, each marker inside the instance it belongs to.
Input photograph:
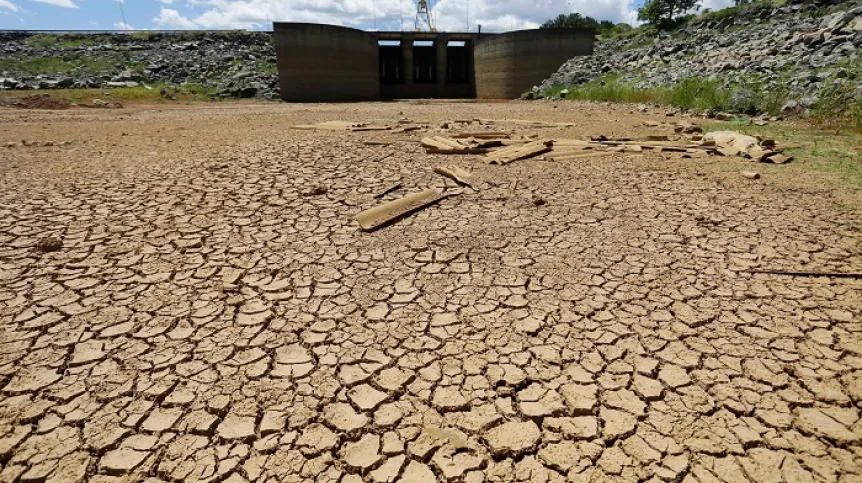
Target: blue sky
(451, 15)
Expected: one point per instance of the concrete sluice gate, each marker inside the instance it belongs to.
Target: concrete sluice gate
(327, 63)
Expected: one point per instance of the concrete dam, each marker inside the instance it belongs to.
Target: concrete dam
(326, 63)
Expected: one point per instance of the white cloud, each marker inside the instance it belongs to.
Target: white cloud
(123, 26)
(450, 15)
(8, 5)
(167, 2)
(59, 3)
(171, 18)
(716, 4)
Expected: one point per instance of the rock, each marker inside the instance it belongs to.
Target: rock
(513, 438)
(797, 40)
(790, 106)
(809, 102)
(49, 244)
(217, 61)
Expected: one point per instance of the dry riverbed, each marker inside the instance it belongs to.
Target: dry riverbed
(185, 295)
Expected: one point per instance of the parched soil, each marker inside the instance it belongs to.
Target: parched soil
(35, 102)
(186, 296)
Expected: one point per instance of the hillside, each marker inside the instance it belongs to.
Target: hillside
(760, 57)
(225, 64)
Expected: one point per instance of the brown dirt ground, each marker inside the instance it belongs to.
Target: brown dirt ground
(35, 102)
(213, 312)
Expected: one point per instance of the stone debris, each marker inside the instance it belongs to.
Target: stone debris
(218, 325)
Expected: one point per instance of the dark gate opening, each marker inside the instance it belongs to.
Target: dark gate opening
(391, 71)
(457, 63)
(424, 64)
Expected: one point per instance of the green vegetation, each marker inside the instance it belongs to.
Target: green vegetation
(90, 64)
(576, 20)
(695, 94)
(70, 41)
(666, 13)
(607, 88)
(142, 36)
(838, 107)
(267, 67)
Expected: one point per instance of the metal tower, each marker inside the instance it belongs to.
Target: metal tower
(424, 18)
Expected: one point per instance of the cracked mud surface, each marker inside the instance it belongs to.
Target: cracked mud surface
(211, 314)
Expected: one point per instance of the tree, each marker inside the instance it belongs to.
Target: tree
(663, 13)
(570, 21)
(576, 20)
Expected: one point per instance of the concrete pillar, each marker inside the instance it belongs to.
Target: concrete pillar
(440, 46)
(407, 58)
(471, 67)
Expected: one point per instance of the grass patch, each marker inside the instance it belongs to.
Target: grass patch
(836, 154)
(267, 67)
(69, 41)
(609, 89)
(142, 36)
(695, 94)
(698, 95)
(89, 64)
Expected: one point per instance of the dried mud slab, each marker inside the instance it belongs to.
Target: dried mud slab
(460, 176)
(378, 216)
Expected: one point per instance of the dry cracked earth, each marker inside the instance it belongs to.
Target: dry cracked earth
(209, 310)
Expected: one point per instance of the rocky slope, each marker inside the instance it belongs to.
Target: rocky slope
(796, 51)
(230, 64)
